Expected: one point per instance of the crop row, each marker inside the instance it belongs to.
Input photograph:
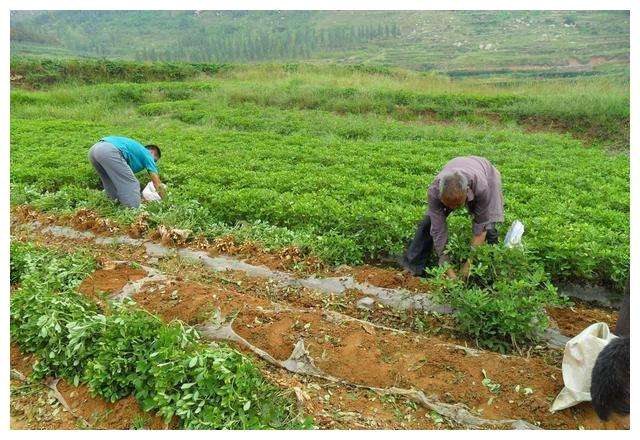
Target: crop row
(347, 188)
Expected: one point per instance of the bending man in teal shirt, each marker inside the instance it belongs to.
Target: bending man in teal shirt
(116, 159)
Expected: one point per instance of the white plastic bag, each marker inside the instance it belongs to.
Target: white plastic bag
(150, 194)
(580, 355)
(513, 237)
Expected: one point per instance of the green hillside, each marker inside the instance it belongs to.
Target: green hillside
(459, 42)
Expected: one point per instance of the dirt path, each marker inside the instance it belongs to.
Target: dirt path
(274, 318)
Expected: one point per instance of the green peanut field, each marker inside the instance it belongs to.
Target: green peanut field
(337, 160)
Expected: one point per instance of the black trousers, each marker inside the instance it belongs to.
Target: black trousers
(420, 250)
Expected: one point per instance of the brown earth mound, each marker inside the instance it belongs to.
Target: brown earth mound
(123, 414)
(88, 220)
(572, 320)
(388, 278)
(104, 282)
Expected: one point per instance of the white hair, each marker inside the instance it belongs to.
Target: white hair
(453, 180)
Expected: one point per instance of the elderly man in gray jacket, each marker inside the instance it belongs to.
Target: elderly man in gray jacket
(472, 181)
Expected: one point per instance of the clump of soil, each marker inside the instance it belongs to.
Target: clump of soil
(87, 220)
(572, 320)
(140, 226)
(201, 242)
(104, 282)
(225, 244)
(273, 332)
(172, 236)
(24, 213)
(388, 278)
(20, 361)
(192, 303)
(290, 258)
(123, 414)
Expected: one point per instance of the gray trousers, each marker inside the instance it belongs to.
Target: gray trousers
(118, 180)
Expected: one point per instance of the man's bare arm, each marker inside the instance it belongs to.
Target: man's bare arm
(155, 178)
(477, 240)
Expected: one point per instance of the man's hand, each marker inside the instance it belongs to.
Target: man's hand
(464, 272)
(477, 240)
(158, 185)
(451, 274)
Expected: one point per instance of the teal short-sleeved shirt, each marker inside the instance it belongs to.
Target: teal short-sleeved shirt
(134, 153)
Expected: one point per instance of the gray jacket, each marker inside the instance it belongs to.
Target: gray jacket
(484, 199)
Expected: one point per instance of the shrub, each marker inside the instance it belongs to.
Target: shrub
(502, 302)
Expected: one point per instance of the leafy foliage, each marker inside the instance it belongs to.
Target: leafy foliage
(127, 351)
(45, 322)
(38, 269)
(501, 304)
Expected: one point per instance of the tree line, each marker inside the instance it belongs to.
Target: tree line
(301, 43)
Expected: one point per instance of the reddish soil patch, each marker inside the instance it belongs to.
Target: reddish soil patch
(373, 357)
(388, 278)
(274, 333)
(596, 60)
(193, 303)
(572, 320)
(109, 281)
(21, 362)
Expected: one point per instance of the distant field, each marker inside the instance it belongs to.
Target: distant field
(337, 161)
